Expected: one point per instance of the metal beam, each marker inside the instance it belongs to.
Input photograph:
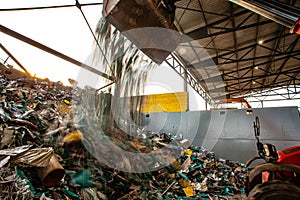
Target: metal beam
(256, 89)
(278, 51)
(195, 33)
(175, 64)
(47, 7)
(201, 33)
(52, 51)
(202, 11)
(221, 55)
(275, 92)
(275, 47)
(278, 94)
(254, 54)
(252, 101)
(290, 50)
(261, 57)
(254, 44)
(237, 64)
(288, 95)
(290, 71)
(14, 59)
(256, 65)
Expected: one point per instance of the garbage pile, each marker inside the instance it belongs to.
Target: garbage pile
(42, 156)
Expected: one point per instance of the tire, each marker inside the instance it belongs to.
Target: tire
(275, 190)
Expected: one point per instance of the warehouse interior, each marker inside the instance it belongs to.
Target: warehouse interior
(226, 62)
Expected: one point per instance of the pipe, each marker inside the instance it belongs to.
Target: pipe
(279, 12)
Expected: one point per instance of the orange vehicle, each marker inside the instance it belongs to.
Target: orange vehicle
(277, 178)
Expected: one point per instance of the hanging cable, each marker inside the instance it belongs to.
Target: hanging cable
(78, 5)
(47, 7)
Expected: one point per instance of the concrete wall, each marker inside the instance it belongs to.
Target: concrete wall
(229, 133)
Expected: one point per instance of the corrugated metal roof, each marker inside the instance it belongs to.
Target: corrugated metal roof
(230, 35)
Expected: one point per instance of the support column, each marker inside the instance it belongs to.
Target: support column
(185, 89)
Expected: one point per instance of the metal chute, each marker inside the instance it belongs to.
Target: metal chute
(134, 18)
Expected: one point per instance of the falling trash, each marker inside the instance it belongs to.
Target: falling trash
(42, 155)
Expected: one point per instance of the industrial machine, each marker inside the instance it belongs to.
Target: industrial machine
(134, 18)
(138, 20)
(278, 177)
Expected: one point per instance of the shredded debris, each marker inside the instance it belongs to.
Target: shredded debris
(36, 124)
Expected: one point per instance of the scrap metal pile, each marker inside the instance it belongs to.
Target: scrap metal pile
(42, 156)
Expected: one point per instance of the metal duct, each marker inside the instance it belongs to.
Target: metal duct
(279, 12)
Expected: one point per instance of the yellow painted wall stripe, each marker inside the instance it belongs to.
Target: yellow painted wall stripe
(167, 102)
